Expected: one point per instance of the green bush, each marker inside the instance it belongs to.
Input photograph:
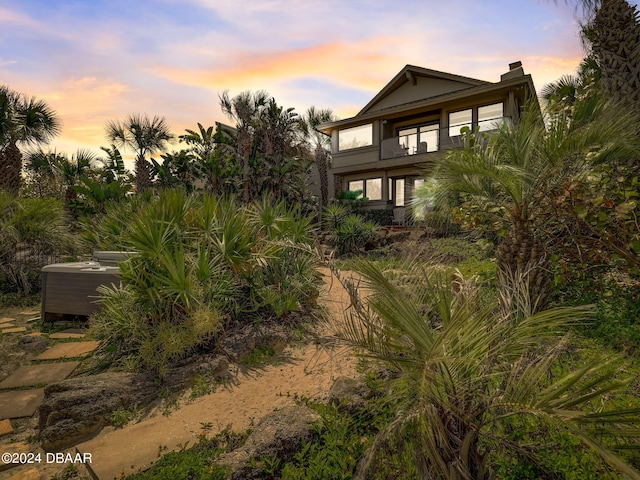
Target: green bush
(380, 216)
(201, 262)
(196, 462)
(354, 234)
(33, 233)
(617, 320)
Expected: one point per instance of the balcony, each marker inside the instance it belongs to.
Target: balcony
(430, 138)
(394, 147)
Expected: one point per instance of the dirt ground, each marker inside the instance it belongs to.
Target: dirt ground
(302, 370)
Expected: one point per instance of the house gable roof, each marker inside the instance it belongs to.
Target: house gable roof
(430, 83)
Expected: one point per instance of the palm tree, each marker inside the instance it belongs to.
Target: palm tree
(464, 369)
(321, 145)
(245, 109)
(71, 170)
(517, 168)
(23, 121)
(146, 137)
(113, 164)
(279, 138)
(614, 37)
(204, 144)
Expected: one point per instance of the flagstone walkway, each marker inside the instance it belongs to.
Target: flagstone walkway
(22, 392)
(306, 371)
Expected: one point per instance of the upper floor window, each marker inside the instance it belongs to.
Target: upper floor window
(429, 138)
(458, 120)
(355, 137)
(490, 117)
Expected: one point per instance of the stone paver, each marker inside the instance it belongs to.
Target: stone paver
(20, 403)
(29, 375)
(31, 474)
(13, 330)
(68, 350)
(30, 312)
(13, 448)
(63, 335)
(7, 325)
(34, 334)
(5, 427)
(6, 319)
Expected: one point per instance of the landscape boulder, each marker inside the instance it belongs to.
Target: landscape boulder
(239, 344)
(349, 393)
(75, 409)
(280, 434)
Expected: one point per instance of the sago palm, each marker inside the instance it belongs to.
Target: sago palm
(463, 368)
(23, 121)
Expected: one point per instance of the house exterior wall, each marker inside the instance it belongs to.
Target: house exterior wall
(423, 88)
(419, 100)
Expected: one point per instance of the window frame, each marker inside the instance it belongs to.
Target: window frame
(492, 123)
(357, 127)
(459, 126)
(363, 183)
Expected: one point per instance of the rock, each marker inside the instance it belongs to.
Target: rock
(182, 375)
(238, 345)
(350, 393)
(78, 408)
(34, 344)
(280, 434)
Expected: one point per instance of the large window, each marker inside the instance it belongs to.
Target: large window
(429, 138)
(370, 188)
(399, 193)
(408, 140)
(490, 117)
(356, 185)
(355, 137)
(419, 139)
(458, 120)
(373, 189)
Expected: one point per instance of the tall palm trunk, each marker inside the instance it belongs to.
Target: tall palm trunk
(615, 39)
(321, 164)
(143, 174)
(521, 254)
(10, 169)
(244, 154)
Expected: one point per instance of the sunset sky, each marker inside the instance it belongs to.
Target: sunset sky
(95, 60)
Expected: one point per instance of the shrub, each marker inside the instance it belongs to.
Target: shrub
(379, 216)
(200, 262)
(465, 369)
(354, 234)
(33, 233)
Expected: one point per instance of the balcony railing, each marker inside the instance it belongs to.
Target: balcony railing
(394, 147)
(436, 140)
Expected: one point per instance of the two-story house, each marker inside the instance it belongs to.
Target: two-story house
(414, 119)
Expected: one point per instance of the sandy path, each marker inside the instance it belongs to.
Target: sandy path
(306, 371)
